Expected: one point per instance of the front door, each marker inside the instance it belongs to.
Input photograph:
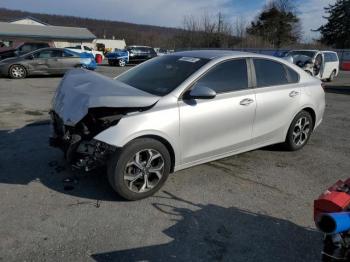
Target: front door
(213, 127)
(39, 63)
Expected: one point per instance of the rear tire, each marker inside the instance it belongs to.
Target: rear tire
(299, 131)
(17, 72)
(139, 169)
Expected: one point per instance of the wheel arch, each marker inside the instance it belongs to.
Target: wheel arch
(308, 109)
(312, 112)
(168, 146)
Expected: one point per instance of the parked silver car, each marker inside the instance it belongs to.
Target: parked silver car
(181, 110)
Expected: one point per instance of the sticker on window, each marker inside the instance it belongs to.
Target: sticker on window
(189, 59)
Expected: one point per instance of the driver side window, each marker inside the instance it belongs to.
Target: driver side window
(226, 77)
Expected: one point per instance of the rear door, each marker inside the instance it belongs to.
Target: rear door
(69, 61)
(277, 96)
(47, 61)
(55, 62)
(213, 127)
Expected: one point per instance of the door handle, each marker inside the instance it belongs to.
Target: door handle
(293, 93)
(246, 102)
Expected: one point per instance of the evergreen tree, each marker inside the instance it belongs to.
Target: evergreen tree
(277, 26)
(336, 32)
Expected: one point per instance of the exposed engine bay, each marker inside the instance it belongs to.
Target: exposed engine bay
(85, 104)
(77, 143)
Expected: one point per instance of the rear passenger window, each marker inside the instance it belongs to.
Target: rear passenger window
(270, 73)
(227, 77)
(293, 76)
(330, 57)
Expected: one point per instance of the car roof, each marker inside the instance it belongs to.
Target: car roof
(211, 54)
(43, 49)
(304, 50)
(326, 51)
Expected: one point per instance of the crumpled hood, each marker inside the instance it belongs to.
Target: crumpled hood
(80, 90)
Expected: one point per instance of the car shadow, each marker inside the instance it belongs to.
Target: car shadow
(342, 90)
(33, 77)
(215, 233)
(27, 157)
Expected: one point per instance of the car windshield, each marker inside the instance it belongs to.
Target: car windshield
(162, 75)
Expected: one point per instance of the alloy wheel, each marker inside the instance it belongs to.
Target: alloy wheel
(144, 170)
(17, 71)
(301, 131)
(122, 63)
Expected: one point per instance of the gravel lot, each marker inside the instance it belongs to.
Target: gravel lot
(256, 206)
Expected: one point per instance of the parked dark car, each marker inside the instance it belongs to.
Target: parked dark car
(21, 49)
(132, 54)
(45, 61)
(118, 57)
(139, 54)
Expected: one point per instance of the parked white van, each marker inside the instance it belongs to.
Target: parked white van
(321, 64)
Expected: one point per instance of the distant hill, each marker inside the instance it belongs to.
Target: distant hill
(156, 36)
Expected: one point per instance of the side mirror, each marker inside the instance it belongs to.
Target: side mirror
(200, 92)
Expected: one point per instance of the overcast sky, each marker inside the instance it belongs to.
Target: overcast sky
(168, 12)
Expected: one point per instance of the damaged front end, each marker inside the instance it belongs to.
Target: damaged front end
(77, 142)
(80, 148)
(84, 105)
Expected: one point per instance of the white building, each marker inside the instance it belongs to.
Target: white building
(29, 29)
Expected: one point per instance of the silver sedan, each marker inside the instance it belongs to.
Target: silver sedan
(181, 110)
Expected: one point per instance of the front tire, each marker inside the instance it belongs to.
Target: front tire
(299, 131)
(17, 72)
(139, 169)
(121, 63)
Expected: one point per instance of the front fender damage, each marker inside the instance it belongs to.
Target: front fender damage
(77, 142)
(85, 104)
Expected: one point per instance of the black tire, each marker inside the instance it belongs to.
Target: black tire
(117, 166)
(112, 62)
(17, 72)
(292, 142)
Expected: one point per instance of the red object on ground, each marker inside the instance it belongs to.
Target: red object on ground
(346, 66)
(98, 59)
(334, 199)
